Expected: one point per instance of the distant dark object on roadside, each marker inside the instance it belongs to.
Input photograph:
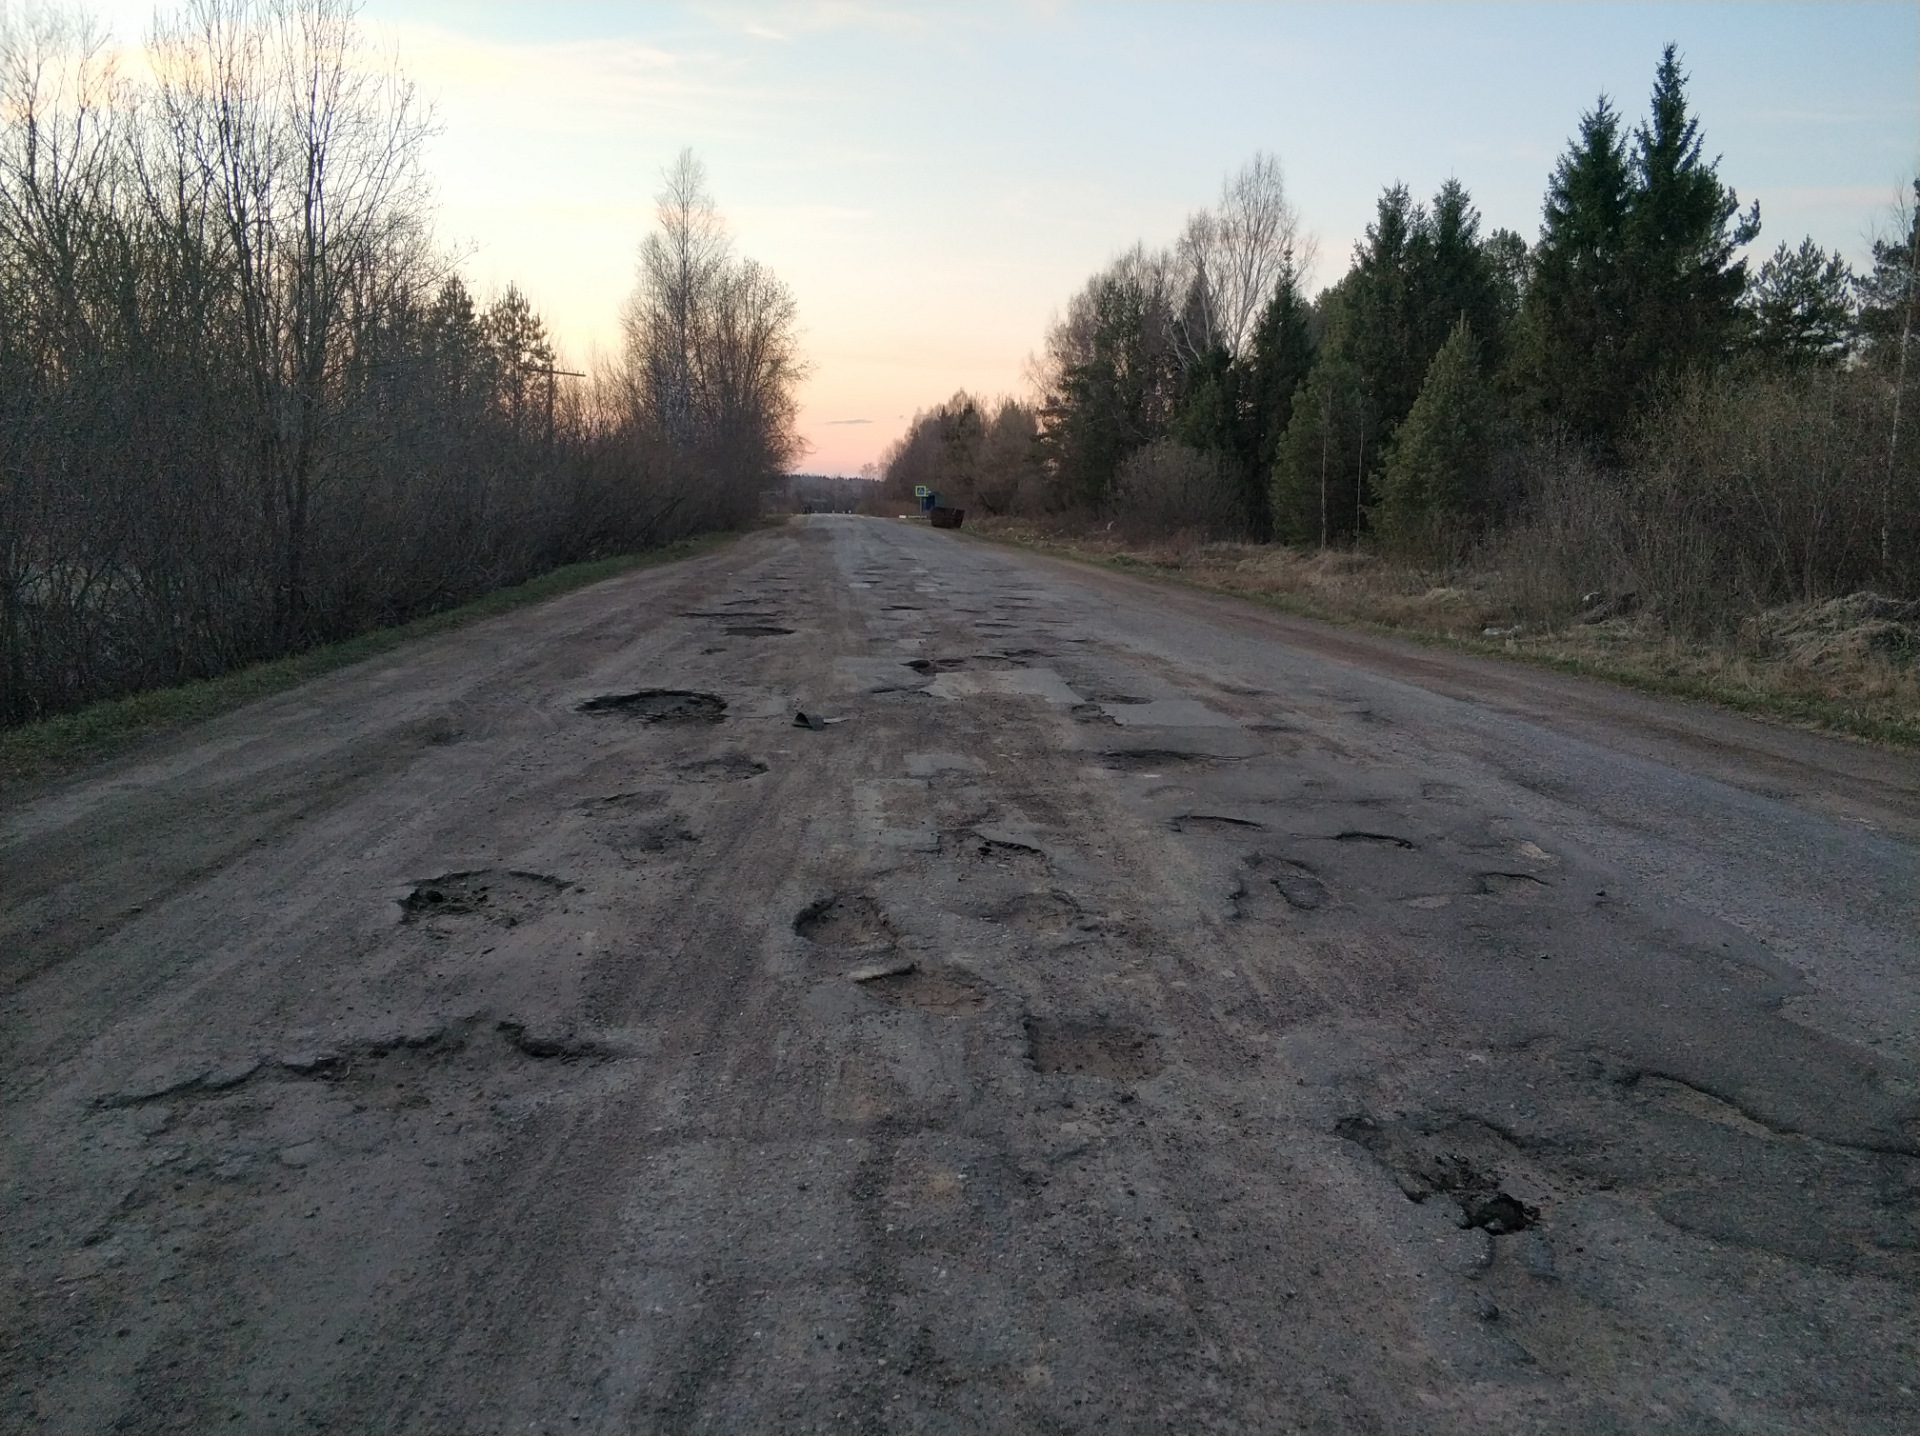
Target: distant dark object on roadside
(946, 518)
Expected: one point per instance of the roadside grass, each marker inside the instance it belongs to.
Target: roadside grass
(1858, 694)
(61, 744)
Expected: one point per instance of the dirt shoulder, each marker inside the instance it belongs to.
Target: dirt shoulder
(1833, 668)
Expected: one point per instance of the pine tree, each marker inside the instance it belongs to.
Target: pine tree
(1435, 475)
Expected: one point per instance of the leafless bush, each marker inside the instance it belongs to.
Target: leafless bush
(1739, 494)
(1168, 488)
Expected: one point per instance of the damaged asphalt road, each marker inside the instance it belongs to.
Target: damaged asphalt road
(1120, 1009)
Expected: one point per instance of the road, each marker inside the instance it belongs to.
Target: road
(1129, 1009)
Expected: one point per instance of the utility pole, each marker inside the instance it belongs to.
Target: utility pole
(552, 374)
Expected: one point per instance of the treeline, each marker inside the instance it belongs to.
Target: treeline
(246, 405)
(1624, 400)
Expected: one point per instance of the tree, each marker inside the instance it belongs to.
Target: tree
(712, 356)
(1801, 308)
(1451, 274)
(1435, 479)
(1111, 377)
(1890, 297)
(1683, 228)
(1418, 272)
(1233, 258)
(1574, 333)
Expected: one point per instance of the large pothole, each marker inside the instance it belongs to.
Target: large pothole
(660, 705)
(845, 920)
(496, 895)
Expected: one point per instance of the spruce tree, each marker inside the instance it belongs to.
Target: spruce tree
(1574, 325)
(1683, 227)
(1451, 274)
(1435, 475)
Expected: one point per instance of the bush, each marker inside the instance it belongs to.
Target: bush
(1168, 488)
(1738, 494)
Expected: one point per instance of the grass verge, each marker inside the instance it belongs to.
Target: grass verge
(1863, 696)
(61, 744)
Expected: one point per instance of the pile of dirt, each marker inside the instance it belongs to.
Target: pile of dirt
(1840, 633)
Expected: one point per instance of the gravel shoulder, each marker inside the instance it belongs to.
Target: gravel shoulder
(1128, 1009)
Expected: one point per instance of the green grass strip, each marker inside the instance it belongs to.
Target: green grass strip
(1820, 714)
(53, 746)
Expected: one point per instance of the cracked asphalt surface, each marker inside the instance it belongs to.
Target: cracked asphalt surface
(1128, 1009)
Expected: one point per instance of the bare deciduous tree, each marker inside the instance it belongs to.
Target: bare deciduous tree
(1233, 257)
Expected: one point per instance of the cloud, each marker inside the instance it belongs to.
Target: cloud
(831, 422)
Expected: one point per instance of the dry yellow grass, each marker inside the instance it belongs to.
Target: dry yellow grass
(1824, 666)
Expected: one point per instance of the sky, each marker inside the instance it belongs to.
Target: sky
(934, 183)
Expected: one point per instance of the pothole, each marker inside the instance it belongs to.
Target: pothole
(757, 630)
(981, 662)
(654, 833)
(1091, 1049)
(1423, 1168)
(1296, 884)
(660, 705)
(733, 767)
(1387, 840)
(1002, 853)
(1045, 913)
(851, 920)
(1153, 760)
(944, 994)
(1510, 884)
(496, 895)
(1215, 822)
